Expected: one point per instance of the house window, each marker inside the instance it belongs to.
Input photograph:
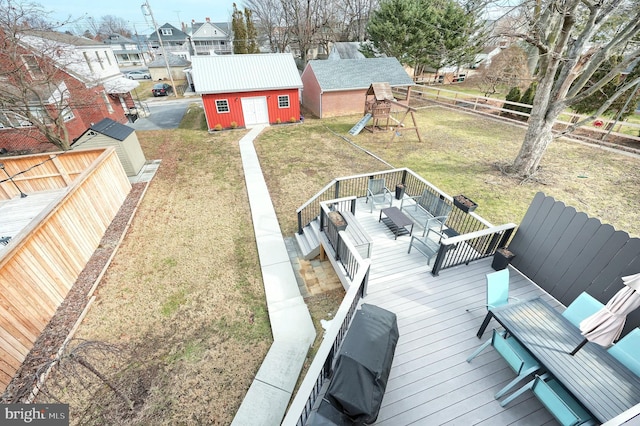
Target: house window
(166, 31)
(283, 101)
(67, 114)
(222, 105)
(86, 58)
(99, 59)
(107, 102)
(33, 67)
(10, 120)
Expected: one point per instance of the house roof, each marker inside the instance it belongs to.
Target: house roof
(173, 60)
(346, 50)
(245, 73)
(207, 30)
(358, 73)
(59, 37)
(176, 34)
(111, 128)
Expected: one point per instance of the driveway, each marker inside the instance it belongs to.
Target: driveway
(164, 113)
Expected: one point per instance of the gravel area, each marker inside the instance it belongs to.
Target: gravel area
(54, 335)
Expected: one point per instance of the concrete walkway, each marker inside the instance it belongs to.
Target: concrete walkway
(291, 325)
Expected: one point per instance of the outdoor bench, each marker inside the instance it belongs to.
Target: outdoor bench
(428, 210)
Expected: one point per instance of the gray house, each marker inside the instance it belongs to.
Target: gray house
(111, 133)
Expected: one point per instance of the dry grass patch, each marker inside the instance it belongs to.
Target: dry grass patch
(460, 153)
(183, 297)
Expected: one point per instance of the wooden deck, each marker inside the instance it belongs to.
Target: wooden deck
(17, 213)
(430, 382)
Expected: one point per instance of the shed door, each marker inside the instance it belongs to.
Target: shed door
(255, 110)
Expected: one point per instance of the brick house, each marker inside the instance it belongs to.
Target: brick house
(72, 78)
(338, 87)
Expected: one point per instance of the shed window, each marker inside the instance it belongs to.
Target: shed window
(283, 101)
(222, 105)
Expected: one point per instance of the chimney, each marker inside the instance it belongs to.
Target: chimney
(207, 19)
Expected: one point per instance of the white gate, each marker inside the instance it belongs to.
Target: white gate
(255, 111)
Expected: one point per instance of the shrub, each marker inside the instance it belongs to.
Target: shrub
(217, 127)
(278, 121)
(234, 125)
(512, 96)
(528, 96)
(292, 120)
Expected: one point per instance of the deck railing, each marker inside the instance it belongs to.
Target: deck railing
(480, 237)
(320, 369)
(472, 246)
(344, 251)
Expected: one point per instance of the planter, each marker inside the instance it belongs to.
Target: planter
(337, 220)
(399, 191)
(502, 258)
(463, 203)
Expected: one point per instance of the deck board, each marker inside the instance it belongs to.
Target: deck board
(430, 381)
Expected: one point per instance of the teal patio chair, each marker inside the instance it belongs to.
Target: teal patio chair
(518, 358)
(497, 290)
(626, 351)
(556, 399)
(378, 193)
(582, 307)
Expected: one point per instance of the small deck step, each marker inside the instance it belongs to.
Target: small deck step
(308, 241)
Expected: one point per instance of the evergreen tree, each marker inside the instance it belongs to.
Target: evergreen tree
(252, 33)
(239, 31)
(512, 96)
(527, 98)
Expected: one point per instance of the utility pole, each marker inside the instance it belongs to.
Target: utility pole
(135, 30)
(146, 10)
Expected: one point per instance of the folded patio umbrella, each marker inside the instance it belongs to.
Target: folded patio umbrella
(605, 326)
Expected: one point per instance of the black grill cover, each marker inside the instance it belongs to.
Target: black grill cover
(363, 364)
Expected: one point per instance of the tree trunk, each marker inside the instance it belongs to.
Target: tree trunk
(536, 141)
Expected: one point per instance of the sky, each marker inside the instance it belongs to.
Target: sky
(171, 11)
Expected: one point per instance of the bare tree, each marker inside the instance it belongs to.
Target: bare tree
(110, 24)
(506, 70)
(270, 23)
(565, 35)
(35, 90)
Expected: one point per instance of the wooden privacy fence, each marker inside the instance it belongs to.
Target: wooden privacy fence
(566, 252)
(43, 260)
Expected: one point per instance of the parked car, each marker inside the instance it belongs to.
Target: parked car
(161, 89)
(138, 75)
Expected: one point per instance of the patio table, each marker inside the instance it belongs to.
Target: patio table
(600, 382)
(396, 221)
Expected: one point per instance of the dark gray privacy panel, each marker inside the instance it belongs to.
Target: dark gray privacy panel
(566, 252)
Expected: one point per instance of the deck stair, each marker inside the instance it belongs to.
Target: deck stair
(308, 241)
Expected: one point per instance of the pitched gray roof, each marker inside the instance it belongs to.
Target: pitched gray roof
(176, 34)
(113, 129)
(245, 73)
(173, 60)
(358, 73)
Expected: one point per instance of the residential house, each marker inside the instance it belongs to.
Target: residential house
(234, 96)
(173, 41)
(335, 88)
(210, 38)
(176, 65)
(75, 76)
(128, 52)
